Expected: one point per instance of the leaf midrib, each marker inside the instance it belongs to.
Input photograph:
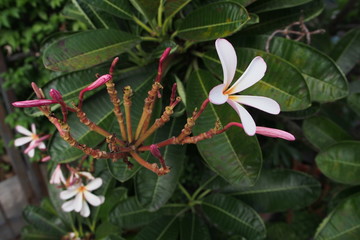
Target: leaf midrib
(279, 189)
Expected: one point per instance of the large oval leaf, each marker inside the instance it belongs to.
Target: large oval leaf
(353, 102)
(275, 83)
(270, 5)
(173, 6)
(324, 78)
(340, 162)
(278, 190)
(233, 216)
(86, 49)
(213, 21)
(322, 132)
(119, 8)
(343, 223)
(233, 155)
(164, 228)
(193, 228)
(154, 191)
(148, 8)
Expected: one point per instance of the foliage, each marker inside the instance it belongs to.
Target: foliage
(226, 187)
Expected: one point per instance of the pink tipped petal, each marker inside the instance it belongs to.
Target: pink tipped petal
(68, 206)
(254, 72)
(275, 133)
(92, 199)
(263, 103)
(33, 128)
(246, 119)
(228, 59)
(78, 200)
(85, 210)
(69, 193)
(22, 140)
(22, 130)
(216, 95)
(94, 184)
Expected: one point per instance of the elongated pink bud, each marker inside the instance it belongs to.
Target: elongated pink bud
(275, 133)
(165, 54)
(113, 64)
(160, 67)
(34, 103)
(97, 83)
(56, 95)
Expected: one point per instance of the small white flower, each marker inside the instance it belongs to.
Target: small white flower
(223, 93)
(57, 177)
(83, 196)
(31, 137)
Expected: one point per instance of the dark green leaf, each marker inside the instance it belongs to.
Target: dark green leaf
(340, 162)
(322, 132)
(119, 8)
(278, 190)
(148, 8)
(174, 6)
(291, 97)
(233, 155)
(31, 233)
(354, 102)
(269, 5)
(164, 228)
(234, 217)
(105, 229)
(193, 228)
(343, 223)
(86, 49)
(213, 21)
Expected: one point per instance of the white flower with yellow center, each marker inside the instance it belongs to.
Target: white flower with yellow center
(31, 137)
(83, 196)
(224, 93)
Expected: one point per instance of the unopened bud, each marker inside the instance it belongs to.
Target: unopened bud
(34, 103)
(97, 83)
(165, 54)
(56, 95)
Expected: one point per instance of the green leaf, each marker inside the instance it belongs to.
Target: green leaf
(113, 198)
(86, 49)
(326, 81)
(193, 228)
(54, 193)
(233, 216)
(31, 233)
(291, 97)
(105, 229)
(44, 221)
(340, 162)
(148, 8)
(270, 5)
(353, 102)
(164, 228)
(99, 110)
(322, 132)
(154, 191)
(233, 155)
(347, 51)
(118, 8)
(213, 21)
(343, 223)
(278, 190)
(174, 6)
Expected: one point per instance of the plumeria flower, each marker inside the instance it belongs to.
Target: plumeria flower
(57, 177)
(224, 93)
(83, 196)
(32, 138)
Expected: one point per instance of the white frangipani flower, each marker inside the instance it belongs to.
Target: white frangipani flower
(31, 137)
(224, 93)
(57, 177)
(83, 196)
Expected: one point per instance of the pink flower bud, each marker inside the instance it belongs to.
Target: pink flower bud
(56, 95)
(155, 151)
(97, 83)
(34, 103)
(165, 54)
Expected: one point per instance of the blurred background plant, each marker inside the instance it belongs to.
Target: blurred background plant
(226, 187)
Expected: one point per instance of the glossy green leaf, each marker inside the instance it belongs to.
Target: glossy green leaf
(174, 6)
(148, 8)
(119, 8)
(347, 51)
(193, 228)
(278, 190)
(324, 78)
(322, 132)
(270, 5)
(291, 97)
(71, 11)
(233, 155)
(279, 19)
(86, 49)
(213, 21)
(154, 191)
(44, 221)
(163, 228)
(353, 101)
(343, 223)
(99, 110)
(302, 114)
(113, 198)
(31, 233)
(54, 193)
(244, 2)
(233, 216)
(340, 162)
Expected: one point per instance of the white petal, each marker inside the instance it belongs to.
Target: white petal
(22, 140)
(94, 184)
(228, 59)
(86, 174)
(33, 128)
(78, 202)
(85, 210)
(263, 103)
(69, 193)
(31, 153)
(246, 119)
(42, 145)
(68, 206)
(92, 198)
(216, 95)
(102, 199)
(22, 130)
(254, 72)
